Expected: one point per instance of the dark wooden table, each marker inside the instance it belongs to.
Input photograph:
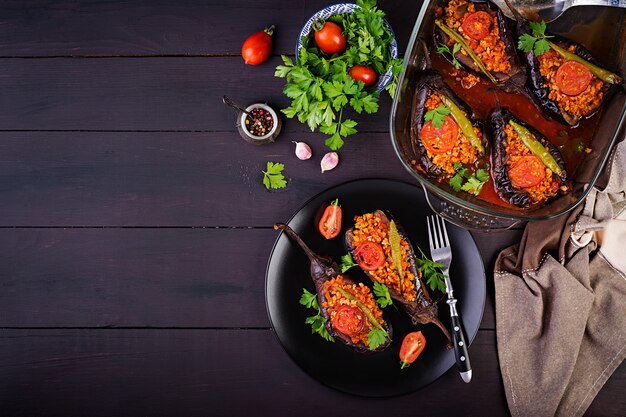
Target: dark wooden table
(135, 229)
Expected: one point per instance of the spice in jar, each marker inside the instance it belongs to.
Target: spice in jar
(260, 122)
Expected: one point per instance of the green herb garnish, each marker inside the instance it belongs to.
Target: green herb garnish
(376, 337)
(462, 180)
(537, 42)
(444, 49)
(273, 177)
(437, 115)
(317, 322)
(347, 262)
(382, 292)
(320, 87)
(431, 272)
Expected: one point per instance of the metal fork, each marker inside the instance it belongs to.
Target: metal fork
(441, 252)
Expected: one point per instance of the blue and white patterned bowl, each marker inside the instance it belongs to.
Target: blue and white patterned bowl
(341, 8)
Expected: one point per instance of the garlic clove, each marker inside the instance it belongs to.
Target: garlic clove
(303, 151)
(329, 161)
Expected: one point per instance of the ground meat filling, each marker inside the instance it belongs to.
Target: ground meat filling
(579, 105)
(335, 302)
(463, 152)
(490, 49)
(515, 151)
(370, 228)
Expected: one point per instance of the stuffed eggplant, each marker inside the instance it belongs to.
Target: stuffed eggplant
(385, 254)
(350, 312)
(475, 34)
(565, 79)
(528, 170)
(442, 134)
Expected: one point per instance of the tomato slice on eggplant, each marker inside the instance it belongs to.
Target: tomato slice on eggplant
(348, 320)
(521, 167)
(442, 139)
(369, 255)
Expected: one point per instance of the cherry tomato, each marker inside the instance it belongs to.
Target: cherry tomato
(348, 320)
(412, 345)
(477, 25)
(440, 140)
(257, 48)
(572, 78)
(328, 37)
(363, 74)
(330, 223)
(369, 255)
(527, 172)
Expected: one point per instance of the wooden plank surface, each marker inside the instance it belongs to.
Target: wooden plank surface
(159, 27)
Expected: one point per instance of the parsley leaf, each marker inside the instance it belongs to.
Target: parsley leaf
(431, 271)
(273, 177)
(317, 322)
(444, 49)
(474, 182)
(376, 337)
(382, 292)
(437, 115)
(537, 42)
(347, 262)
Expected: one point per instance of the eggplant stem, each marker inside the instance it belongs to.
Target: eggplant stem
(601, 73)
(281, 226)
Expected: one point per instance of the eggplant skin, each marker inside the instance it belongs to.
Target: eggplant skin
(429, 83)
(498, 120)
(511, 81)
(538, 85)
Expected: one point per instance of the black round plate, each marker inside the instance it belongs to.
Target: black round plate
(336, 365)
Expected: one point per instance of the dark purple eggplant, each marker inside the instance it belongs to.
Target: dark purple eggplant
(422, 309)
(510, 80)
(323, 269)
(548, 155)
(546, 93)
(431, 83)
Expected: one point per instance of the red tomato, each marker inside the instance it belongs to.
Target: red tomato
(257, 48)
(440, 140)
(369, 255)
(572, 78)
(527, 172)
(363, 74)
(412, 345)
(330, 223)
(348, 320)
(477, 25)
(328, 37)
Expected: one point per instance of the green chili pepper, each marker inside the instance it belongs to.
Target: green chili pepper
(459, 39)
(536, 147)
(463, 122)
(601, 73)
(363, 308)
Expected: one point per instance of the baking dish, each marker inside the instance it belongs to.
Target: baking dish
(602, 30)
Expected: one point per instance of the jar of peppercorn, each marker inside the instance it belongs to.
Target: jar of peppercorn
(260, 126)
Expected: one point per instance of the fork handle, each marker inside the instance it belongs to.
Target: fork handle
(460, 348)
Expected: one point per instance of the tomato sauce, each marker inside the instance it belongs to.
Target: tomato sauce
(570, 140)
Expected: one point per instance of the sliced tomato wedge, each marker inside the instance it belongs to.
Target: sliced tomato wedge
(369, 255)
(440, 140)
(348, 320)
(477, 25)
(330, 223)
(527, 172)
(572, 78)
(412, 346)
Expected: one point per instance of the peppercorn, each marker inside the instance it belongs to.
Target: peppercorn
(259, 122)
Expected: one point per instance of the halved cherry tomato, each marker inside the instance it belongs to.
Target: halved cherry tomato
(257, 48)
(330, 223)
(440, 140)
(477, 25)
(527, 172)
(412, 345)
(363, 74)
(572, 78)
(348, 320)
(369, 255)
(328, 37)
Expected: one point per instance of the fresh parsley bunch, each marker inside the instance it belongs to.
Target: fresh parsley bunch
(474, 182)
(320, 87)
(537, 42)
(317, 322)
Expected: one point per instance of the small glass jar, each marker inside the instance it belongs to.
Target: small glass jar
(270, 131)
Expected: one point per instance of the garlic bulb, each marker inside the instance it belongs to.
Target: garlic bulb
(329, 161)
(303, 151)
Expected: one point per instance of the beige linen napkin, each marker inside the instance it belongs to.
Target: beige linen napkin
(561, 304)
